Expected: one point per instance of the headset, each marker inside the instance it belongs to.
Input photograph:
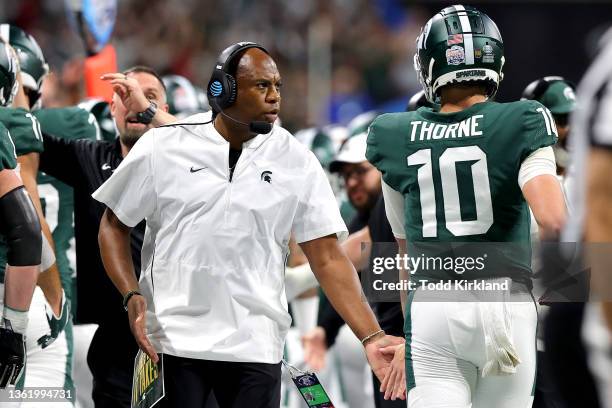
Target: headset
(222, 88)
(537, 88)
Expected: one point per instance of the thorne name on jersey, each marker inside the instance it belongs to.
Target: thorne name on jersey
(437, 131)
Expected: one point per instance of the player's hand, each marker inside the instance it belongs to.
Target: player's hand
(379, 362)
(56, 323)
(12, 356)
(394, 384)
(129, 91)
(137, 308)
(315, 348)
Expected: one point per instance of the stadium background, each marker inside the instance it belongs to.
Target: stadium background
(337, 57)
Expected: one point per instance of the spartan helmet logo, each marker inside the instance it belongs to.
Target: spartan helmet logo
(569, 94)
(266, 176)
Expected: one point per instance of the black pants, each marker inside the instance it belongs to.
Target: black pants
(111, 361)
(566, 357)
(189, 382)
(379, 397)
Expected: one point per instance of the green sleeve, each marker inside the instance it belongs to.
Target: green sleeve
(7, 150)
(24, 129)
(385, 148)
(539, 128)
(68, 123)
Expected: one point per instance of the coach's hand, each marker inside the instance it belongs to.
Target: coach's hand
(137, 309)
(12, 356)
(380, 362)
(394, 384)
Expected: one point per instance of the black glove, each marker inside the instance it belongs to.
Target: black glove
(12, 356)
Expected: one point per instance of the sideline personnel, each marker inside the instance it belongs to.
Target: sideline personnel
(221, 200)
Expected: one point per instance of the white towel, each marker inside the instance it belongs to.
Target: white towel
(502, 357)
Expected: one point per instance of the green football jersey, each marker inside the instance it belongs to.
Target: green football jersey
(8, 156)
(57, 197)
(26, 137)
(458, 173)
(24, 128)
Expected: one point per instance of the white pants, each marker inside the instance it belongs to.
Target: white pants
(44, 367)
(83, 379)
(446, 351)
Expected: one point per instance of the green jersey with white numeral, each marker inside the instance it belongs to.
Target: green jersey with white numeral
(24, 129)
(458, 173)
(8, 157)
(25, 133)
(58, 197)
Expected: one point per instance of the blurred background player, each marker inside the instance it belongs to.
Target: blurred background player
(557, 95)
(184, 99)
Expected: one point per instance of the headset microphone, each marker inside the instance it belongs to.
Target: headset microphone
(258, 126)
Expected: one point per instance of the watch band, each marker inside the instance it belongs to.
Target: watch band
(128, 296)
(147, 115)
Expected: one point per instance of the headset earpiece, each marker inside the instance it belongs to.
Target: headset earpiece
(222, 88)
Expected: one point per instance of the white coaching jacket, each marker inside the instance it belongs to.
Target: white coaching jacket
(214, 251)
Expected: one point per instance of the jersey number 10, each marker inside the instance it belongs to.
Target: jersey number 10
(450, 190)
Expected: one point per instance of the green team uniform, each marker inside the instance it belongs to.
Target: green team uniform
(25, 133)
(458, 174)
(57, 197)
(8, 157)
(24, 129)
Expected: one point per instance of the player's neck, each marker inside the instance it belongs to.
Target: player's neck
(455, 99)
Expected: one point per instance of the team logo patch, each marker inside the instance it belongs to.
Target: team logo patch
(454, 39)
(488, 56)
(455, 55)
(266, 176)
(569, 94)
(477, 53)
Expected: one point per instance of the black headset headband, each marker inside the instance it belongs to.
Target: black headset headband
(230, 52)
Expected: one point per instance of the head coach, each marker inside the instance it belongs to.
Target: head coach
(221, 199)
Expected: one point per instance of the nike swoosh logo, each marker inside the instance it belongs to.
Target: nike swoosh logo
(192, 170)
(106, 166)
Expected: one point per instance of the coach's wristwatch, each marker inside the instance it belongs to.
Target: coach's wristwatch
(148, 114)
(128, 296)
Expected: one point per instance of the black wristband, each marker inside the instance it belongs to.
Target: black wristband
(128, 296)
(148, 114)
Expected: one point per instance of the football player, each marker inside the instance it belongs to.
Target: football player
(184, 99)
(467, 173)
(557, 94)
(20, 240)
(54, 366)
